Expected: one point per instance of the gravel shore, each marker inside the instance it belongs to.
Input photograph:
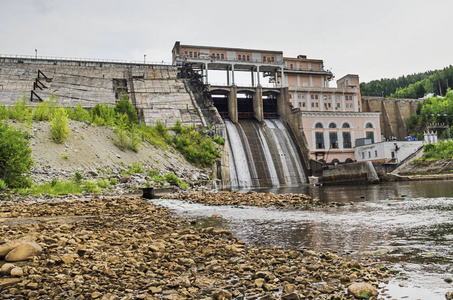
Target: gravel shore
(126, 248)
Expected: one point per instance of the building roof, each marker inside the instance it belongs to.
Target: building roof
(227, 48)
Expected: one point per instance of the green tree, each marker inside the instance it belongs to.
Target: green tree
(124, 106)
(59, 126)
(15, 157)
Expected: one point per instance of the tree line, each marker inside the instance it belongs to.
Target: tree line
(411, 86)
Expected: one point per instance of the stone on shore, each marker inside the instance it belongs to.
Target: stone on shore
(23, 251)
(362, 290)
(5, 282)
(6, 268)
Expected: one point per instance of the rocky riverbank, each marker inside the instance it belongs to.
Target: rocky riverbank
(251, 198)
(126, 248)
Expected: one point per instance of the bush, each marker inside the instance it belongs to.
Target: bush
(45, 110)
(60, 126)
(441, 150)
(78, 177)
(219, 140)
(172, 178)
(125, 134)
(102, 115)
(3, 185)
(134, 169)
(91, 186)
(15, 157)
(79, 113)
(124, 106)
(19, 111)
(160, 127)
(103, 184)
(3, 112)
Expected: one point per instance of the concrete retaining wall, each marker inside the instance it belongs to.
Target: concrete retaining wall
(158, 93)
(394, 114)
(363, 172)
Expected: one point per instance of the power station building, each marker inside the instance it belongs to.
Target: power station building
(253, 82)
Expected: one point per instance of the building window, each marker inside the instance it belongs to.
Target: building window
(338, 105)
(190, 54)
(264, 58)
(328, 97)
(239, 57)
(300, 104)
(338, 97)
(370, 135)
(325, 97)
(317, 105)
(195, 54)
(319, 140)
(298, 96)
(248, 57)
(319, 125)
(303, 104)
(243, 57)
(303, 96)
(222, 56)
(290, 96)
(369, 154)
(291, 66)
(333, 137)
(312, 104)
(363, 155)
(375, 153)
(272, 59)
(316, 97)
(330, 105)
(185, 53)
(332, 125)
(218, 56)
(346, 125)
(369, 125)
(347, 140)
(312, 97)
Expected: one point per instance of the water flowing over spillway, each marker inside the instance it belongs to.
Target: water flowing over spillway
(262, 155)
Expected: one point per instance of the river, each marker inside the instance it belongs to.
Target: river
(412, 235)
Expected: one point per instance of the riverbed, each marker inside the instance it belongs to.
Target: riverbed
(406, 225)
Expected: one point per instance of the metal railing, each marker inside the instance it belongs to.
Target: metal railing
(94, 60)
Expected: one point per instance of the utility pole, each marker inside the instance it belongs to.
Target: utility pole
(36, 53)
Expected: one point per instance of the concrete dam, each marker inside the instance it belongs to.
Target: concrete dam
(153, 89)
(261, 150)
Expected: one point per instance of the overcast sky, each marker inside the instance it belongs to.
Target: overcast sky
(374, 39)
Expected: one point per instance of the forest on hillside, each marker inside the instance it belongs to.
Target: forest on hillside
(411, 86)
(434, 110)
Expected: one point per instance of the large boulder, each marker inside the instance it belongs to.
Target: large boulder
(23, 251)
(8, 246)
(362, 290)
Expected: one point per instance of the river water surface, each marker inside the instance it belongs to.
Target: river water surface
(413, 236)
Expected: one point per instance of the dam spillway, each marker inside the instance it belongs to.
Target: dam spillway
(262, 155)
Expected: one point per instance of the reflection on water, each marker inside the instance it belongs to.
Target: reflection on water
(415, 235)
